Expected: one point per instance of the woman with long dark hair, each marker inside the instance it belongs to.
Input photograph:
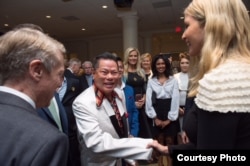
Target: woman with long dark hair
(163, 103)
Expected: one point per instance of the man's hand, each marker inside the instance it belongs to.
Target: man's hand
(158, 147)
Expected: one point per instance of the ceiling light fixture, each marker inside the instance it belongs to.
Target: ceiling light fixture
(48, 16)
(6, 25)
(83, 29)
(104, 6)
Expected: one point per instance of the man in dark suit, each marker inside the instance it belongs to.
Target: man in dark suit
(72, 72)
(56, 115)
(88, 72)
(73, 68)
(83, 82)
(72, 86)
(31, 69)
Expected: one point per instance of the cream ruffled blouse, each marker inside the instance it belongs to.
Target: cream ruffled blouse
(226, 88)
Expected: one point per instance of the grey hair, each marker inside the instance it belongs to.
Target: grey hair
(20, 46)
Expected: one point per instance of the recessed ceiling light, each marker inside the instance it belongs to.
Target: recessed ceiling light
(83, 29)
(181, 18)
(48, 16)
(104, 6)
(6, 25)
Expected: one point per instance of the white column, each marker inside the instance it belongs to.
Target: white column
(130, 29)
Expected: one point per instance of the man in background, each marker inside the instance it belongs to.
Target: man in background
(73, 68)
(128, 91)
(88, 71)
(71, 87)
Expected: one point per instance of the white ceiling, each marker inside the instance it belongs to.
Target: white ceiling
(153, 15)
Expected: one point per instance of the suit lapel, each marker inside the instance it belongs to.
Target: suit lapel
(110, 112)
(121, 107)
(107, 107)
(62, 114)
(47, 111)
(107, 111)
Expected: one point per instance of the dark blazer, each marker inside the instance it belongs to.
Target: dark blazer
(26, 139)
(45, 114)
(68, 73)
(83, 82)
(132, 110)
(72, 91)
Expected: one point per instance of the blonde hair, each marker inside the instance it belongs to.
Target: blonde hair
(227, 34)
(146, 55)
(138, 64)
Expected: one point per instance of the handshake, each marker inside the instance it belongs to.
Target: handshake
(158, 148)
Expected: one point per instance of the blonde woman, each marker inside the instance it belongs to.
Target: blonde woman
(218, 32)
(134, 76)
(146, 60)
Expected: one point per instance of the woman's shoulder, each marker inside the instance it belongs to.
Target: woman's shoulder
(225, 88)
(228, 73)
(177, 75)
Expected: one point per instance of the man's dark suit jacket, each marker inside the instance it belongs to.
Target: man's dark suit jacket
(26, 139)
(83, 83)
(45, 114)
(72, 91)
(68, 73)
(74, 88)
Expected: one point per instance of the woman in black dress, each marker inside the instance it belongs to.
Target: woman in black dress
(221, 84)
(135, 77)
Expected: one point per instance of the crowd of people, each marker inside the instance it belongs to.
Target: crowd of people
(111, 111)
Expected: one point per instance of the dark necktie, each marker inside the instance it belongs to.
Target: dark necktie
(117, 115)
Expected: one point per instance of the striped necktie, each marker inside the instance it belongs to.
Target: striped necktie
(117, 115)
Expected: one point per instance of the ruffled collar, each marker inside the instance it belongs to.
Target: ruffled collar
(226, 88)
